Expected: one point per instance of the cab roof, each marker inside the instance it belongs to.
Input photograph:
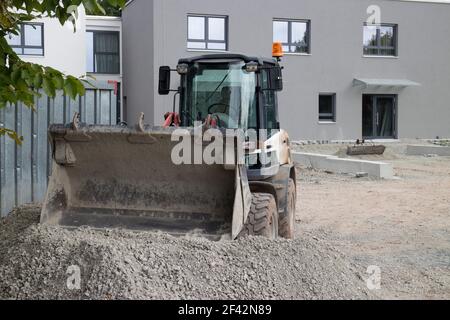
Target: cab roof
(229, 57)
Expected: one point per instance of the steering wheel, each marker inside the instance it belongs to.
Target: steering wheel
(225, 121)
(216, 104)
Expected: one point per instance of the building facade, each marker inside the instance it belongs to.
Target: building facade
(352, 68)
(93, 48)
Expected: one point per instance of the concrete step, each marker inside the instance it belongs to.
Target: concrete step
(374, 169)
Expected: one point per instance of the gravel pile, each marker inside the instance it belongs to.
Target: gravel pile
(34, 261)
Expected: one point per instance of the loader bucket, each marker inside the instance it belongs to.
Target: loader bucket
(114, 177)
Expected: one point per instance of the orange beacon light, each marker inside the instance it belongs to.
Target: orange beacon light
(277, 50)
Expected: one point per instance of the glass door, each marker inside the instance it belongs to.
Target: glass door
(379, 112)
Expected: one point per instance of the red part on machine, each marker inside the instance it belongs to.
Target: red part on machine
(211, 122)
(171, 119)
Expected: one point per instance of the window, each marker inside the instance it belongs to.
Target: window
(327, 107)
(269, 103)
(207, 32)
(380, 40)
(293, 34)
(103, 52)
(29, 41)
(225, 90)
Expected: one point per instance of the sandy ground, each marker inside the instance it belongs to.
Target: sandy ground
(402, 226)
(345, 225)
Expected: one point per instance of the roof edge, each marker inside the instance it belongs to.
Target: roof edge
(224, 56)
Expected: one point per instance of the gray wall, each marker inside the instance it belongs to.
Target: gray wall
(138, 61)
(336, 59)
(24, 170)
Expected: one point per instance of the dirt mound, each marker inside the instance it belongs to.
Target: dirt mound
(35, 260)
(389, 154)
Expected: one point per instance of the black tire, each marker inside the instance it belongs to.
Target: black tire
(263, 217)
(287, 219)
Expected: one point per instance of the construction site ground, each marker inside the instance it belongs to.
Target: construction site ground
(401, 225)
(344, 226)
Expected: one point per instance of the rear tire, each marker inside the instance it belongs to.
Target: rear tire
(263, 217)
(287, 220)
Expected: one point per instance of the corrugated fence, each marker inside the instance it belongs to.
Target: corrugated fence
(24, 170)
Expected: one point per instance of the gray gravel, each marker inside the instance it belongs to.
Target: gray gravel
(123, 265)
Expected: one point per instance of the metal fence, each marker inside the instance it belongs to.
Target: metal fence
(24, 170)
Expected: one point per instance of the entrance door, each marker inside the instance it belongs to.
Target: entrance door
(379, 116)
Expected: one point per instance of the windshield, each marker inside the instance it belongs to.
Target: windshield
(225, 91)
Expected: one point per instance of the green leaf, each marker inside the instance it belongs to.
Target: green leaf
(80, 88)
(49, 87)
(49, 6)
(70, 88)
(16, 138)
(88, 83)
(22, 85)
(74, 87)
(11, 134)
(26, 76)
(36, 68)
(15, 75)
(38, 6)
(73, 10)
(58, 80)
(50, 70)
(94, 7)
(61, 16)
(90, 5)
(29, 6)
(37, 81)
(28, 99)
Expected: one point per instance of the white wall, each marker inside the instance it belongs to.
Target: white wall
(102, 23)
(64, 49)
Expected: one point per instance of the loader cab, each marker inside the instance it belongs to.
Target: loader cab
(237, 90)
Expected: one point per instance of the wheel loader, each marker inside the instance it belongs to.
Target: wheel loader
(125, 177)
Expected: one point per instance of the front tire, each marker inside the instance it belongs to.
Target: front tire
(287, 220)
(262, 220)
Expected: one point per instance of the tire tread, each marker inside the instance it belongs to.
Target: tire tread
(262, 210)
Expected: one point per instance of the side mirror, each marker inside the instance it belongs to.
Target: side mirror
(276, 79)
(164, 80)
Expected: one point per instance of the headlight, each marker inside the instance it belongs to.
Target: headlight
(251, 67)
(182, 68)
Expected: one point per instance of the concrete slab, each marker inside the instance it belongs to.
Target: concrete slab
(420, 150)
(378, 170)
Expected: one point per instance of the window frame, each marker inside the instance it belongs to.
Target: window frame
(94, 51)
(289, 35)
(378, 47)
(22, 45)
(206, 40)
(265, 92)
(333, 114)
